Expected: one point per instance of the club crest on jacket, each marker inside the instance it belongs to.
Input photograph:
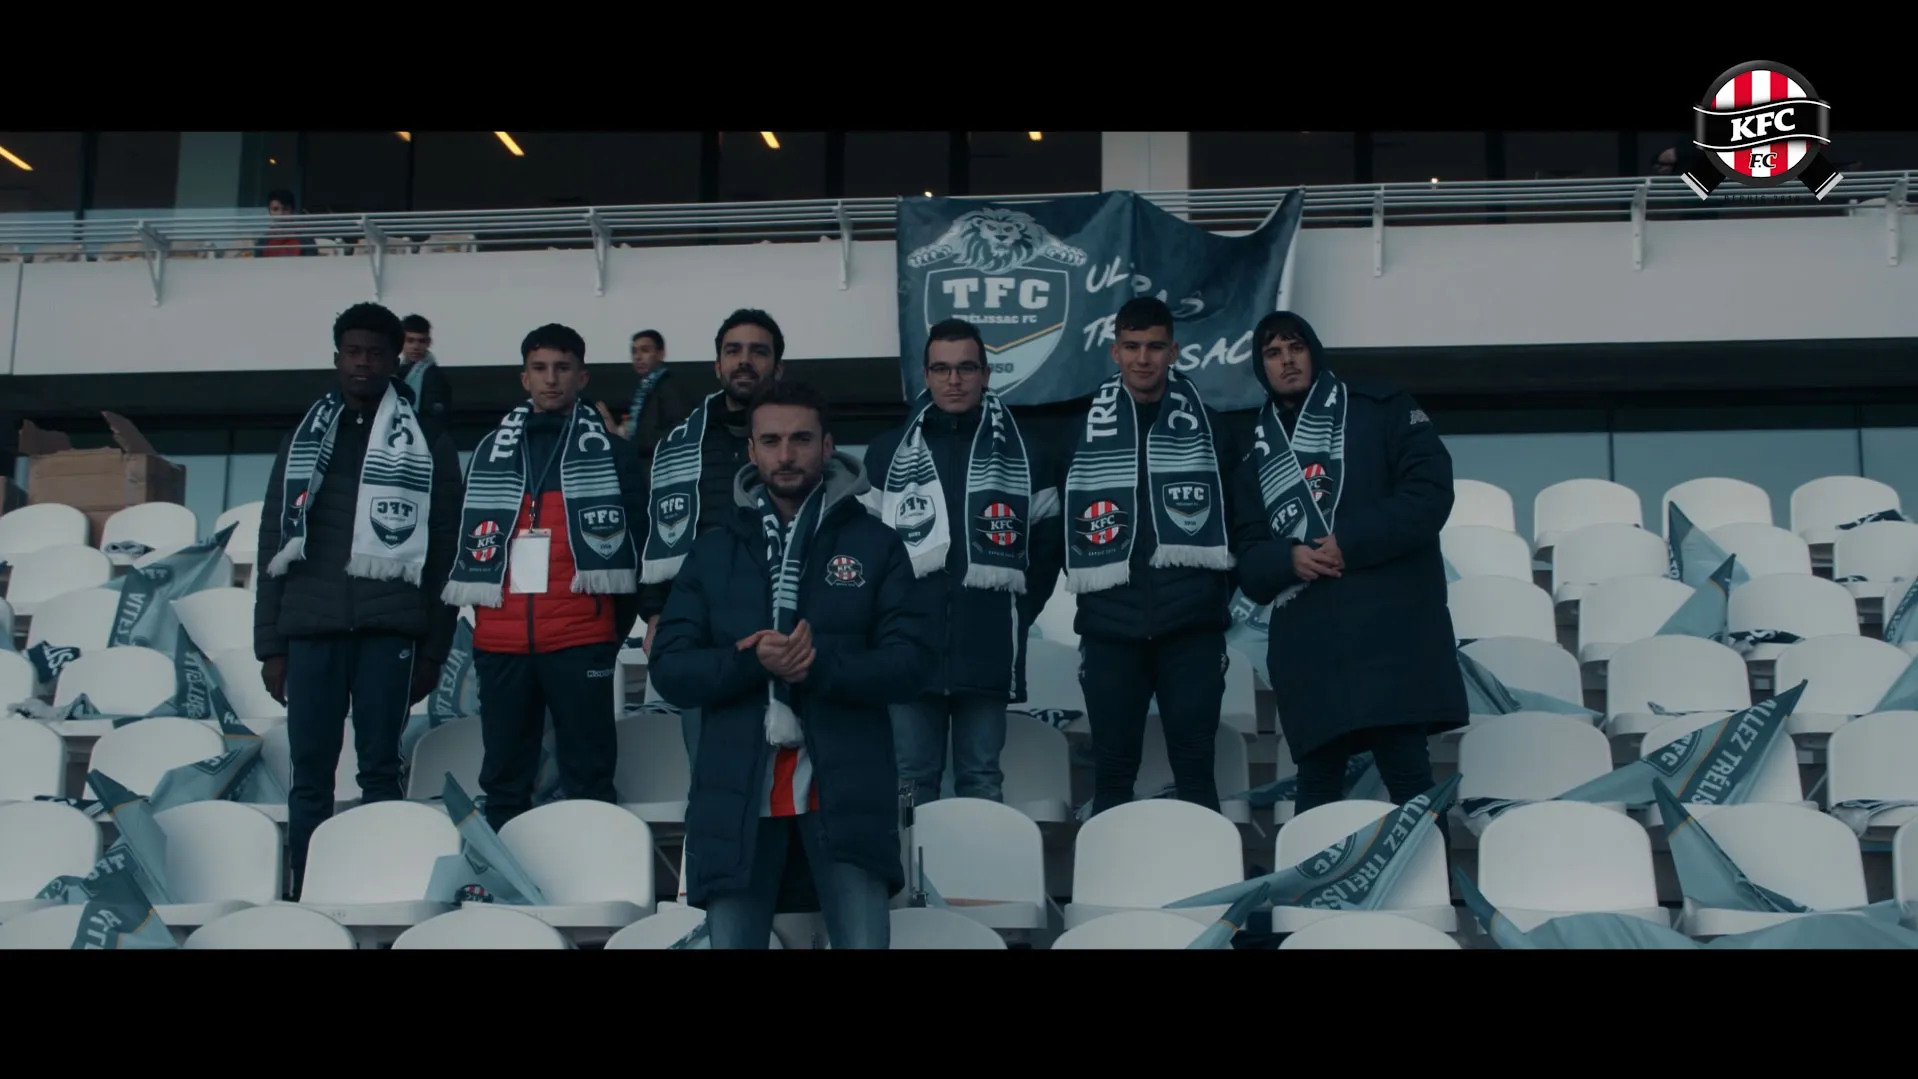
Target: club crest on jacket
(845, 571)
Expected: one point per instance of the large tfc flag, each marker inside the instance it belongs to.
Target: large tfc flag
(1044, 281)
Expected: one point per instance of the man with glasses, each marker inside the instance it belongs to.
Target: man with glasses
(977, 505)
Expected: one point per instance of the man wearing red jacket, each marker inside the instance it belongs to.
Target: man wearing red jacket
(549, 562)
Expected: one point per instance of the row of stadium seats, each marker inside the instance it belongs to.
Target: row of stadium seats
(594, 865)
(1820, 509)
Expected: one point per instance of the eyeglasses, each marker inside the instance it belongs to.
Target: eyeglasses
(947, 370)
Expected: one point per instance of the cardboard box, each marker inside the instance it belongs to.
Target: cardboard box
(99, 482)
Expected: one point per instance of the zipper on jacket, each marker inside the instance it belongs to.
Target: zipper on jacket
(533, 514)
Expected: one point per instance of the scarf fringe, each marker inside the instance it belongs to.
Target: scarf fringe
(473, 594)
(930, 561)
(374, 568)
(1215, 558)
(782, 725)
(605, 582)
(1098, 578)
(994, 578)
(293, 551)
(661, 570)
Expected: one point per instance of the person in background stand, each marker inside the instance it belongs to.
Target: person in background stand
(660, 401)
(693, 466)
(562, 497)
(974, 501)
(421, 372)
(1148, 553)
(357, 533)
(280, 204)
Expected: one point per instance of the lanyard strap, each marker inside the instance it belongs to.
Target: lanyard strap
(533, 491)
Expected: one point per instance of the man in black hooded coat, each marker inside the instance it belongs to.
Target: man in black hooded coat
(1363, 658)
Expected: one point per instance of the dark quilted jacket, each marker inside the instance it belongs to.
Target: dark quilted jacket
(316, 598)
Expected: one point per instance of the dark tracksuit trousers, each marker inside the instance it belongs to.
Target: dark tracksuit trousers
(1120, 677)
(372, 673)
(517, 692)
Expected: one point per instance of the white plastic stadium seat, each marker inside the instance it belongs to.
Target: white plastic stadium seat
(245, 688)
(455, 747)
(137, 755)
(1715, 501)
(927, 929)
(1794, 851)
(1904, 864)
(1597, 553)
(1133, 930)
(82, 620)
(1231, 767)
(368, 868)
(42, 574)
(661, 930)
(1845, 676)
(1037, 764)
(653, 776)
(119, 681)
(17, 679)
(45, 930)
(1763, 550)
(1143, 855)
(1626, 609)
(157, 526)
(1876, 757)
(243, 546)
(1527, 663)
(272, 927)
(1531, 757)
(1052, 678)
(217, 619)
(1500, 607)
(33, 759)
(1572, 504)
(1877, 552)
(1806, 606)
(1818, 508)
(1368, 930)
(1777, 779)
(40, 841)
(220, 857)
(1423, 893)
(1547, 859)
(592, 860)
(32, 528)
(1679, 674)
(986, 859)
(1483, 551)
(482, 927)
(1475, 502)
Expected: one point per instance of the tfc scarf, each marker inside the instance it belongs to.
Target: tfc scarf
(786, 547)
(640, 393)
(1183, 491)
(1301, 476)
(998, 500)
(675, 491)
(604, 560)
(396, 488)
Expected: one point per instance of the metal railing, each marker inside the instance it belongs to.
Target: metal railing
(1636, 198)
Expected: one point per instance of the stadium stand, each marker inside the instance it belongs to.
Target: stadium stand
(1576, 604)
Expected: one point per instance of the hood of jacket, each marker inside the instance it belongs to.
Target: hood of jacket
(1311, 339)
(845, 480)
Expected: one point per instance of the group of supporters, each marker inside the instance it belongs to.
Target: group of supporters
(829, 627)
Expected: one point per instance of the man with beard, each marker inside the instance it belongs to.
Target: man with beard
(694, 465)
(1337, 521)
(792, 627)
